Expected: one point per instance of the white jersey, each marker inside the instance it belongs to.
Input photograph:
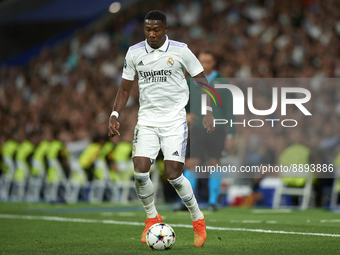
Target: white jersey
(163, 90)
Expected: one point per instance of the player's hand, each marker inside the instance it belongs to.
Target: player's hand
(113, 127)
(208, 122)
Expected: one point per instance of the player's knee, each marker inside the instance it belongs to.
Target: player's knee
(173, 169)
(140, 169)
(141, 165)
(172, 175)
(179, 182)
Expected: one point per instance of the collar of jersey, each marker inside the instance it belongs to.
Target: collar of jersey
(164, 47)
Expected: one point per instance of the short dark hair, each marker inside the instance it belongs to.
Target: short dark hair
(156, 15)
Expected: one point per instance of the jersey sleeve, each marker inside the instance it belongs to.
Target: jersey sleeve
(129, 69)
(191, 63)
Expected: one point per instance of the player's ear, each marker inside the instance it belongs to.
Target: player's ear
(166, 28)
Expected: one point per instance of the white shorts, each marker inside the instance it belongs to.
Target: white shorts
(172, 140)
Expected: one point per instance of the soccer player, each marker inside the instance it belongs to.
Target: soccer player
(160, 64)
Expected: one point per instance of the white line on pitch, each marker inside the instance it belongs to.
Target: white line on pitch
(52, 218)
(272, 211)
(334, 220)
(254, 221)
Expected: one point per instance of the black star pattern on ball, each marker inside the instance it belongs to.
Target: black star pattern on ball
(160, 237)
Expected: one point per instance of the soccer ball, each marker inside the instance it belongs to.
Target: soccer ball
(160, 236)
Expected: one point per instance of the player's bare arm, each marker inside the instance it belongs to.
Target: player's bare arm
(208, 119)
(120, 102)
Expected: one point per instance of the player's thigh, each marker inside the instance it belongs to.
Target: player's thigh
(145, 143)
(174, 142)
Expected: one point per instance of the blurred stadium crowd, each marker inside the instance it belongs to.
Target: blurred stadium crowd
(66, 93)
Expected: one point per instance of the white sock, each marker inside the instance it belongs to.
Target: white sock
(145, 191)
(184, 190)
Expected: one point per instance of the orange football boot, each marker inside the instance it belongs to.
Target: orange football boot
(148, 223)
(200, 234)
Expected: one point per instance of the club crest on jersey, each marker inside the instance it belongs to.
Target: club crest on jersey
(170, 61)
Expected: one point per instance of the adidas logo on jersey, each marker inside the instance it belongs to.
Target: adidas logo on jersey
(140, 63)
(175, 153)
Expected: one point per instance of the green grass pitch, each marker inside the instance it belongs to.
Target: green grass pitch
(42, 228)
